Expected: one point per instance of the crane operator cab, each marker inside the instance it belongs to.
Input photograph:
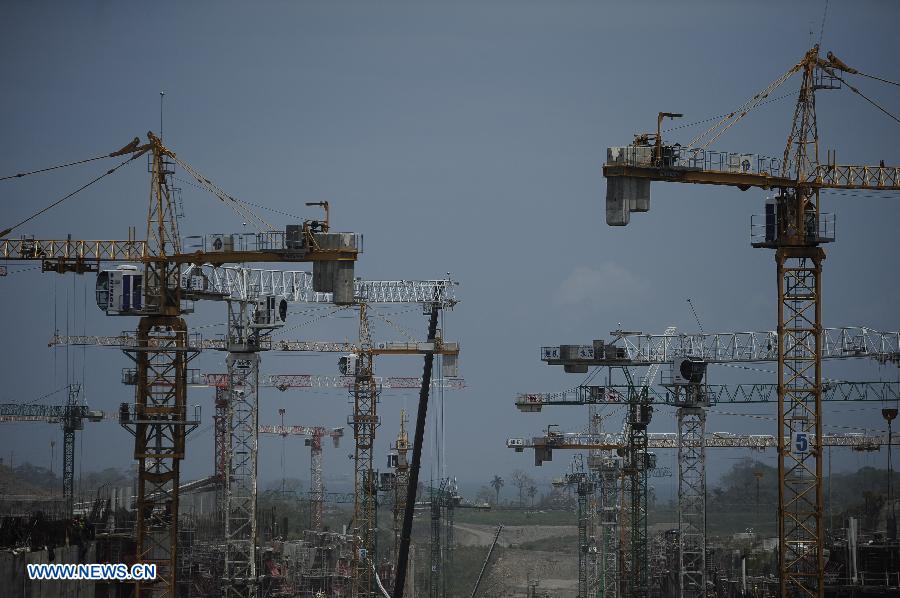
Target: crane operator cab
(120, 292)
(270, 312)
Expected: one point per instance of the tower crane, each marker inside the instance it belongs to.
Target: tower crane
(443, 500)
(544, 446)
(613, 394)
(365, 420)
(357, 360)
(71, 416)
(251, 314)
(161, 349)
(437, 294)
(398, 459)
(585, 485)
(795, 227)
(314, 435)
(687, 356)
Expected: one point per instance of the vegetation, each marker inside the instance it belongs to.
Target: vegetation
(31, 479)
(521, 481)
(497, 484)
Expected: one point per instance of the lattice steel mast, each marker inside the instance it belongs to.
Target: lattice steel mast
(242, 395)
(364, 422)
(691, 416)
(159, 420)
(161, 348)
(585, 486)
(795, 227)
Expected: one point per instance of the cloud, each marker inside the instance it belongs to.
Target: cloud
(608, 285)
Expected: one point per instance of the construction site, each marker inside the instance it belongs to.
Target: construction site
(306, 331)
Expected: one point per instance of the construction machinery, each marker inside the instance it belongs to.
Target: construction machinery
(795, 227)
(686, 357)
(364, 420)
(544, 445)
(70, 416)
(257, 304)
(691, 444)
(585, 485)
(161, 349)
(398, 460)
(359, 363)
(594, 395)
(313, 440)
(443, 499)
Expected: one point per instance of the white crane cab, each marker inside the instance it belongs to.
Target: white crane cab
(120, 292)
(271, 312)
(347, 365)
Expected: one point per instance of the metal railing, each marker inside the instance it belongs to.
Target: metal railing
(678, 157)
(820, 229)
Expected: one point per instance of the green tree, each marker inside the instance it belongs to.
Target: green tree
(497, 484)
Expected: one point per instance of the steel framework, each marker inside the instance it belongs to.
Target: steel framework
(240, 475)
(401, 479)
(161, 348)
(635, 349)
(159, 422)
(876, 391)
(364, 422)
(245, 284)
(669, 440)
(70, 416)
(795, 228)
(692, 493)
(610, 479)
(635, 476)
(585, 487)
(314, 436)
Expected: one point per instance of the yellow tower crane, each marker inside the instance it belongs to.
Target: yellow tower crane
(161, 349)
(795, 228)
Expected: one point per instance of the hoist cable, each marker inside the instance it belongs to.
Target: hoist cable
(238, 206)
(712, 118)
(49, 168)
(860, 94)
(56, 203)
(888, 81)
(732, 118)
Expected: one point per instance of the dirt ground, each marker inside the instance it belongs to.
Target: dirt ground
(470, 534)
(510, 573)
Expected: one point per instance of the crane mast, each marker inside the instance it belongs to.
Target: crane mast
(401, 479)
(70, 416)
(314, 435)
(159, 419)
(584, 483)
(161, 347)
(687, 356)
(242, 446)
(798, 258)
(364, 422)
(795, 228)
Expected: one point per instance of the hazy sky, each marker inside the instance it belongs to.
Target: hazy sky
(458, 137)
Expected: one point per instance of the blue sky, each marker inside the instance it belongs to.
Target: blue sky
(458, 137)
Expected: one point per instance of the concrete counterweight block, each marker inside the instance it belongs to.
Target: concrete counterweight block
(335, 276)
(625, 195)
(617, 207)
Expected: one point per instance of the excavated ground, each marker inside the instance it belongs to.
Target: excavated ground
(523, 558)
